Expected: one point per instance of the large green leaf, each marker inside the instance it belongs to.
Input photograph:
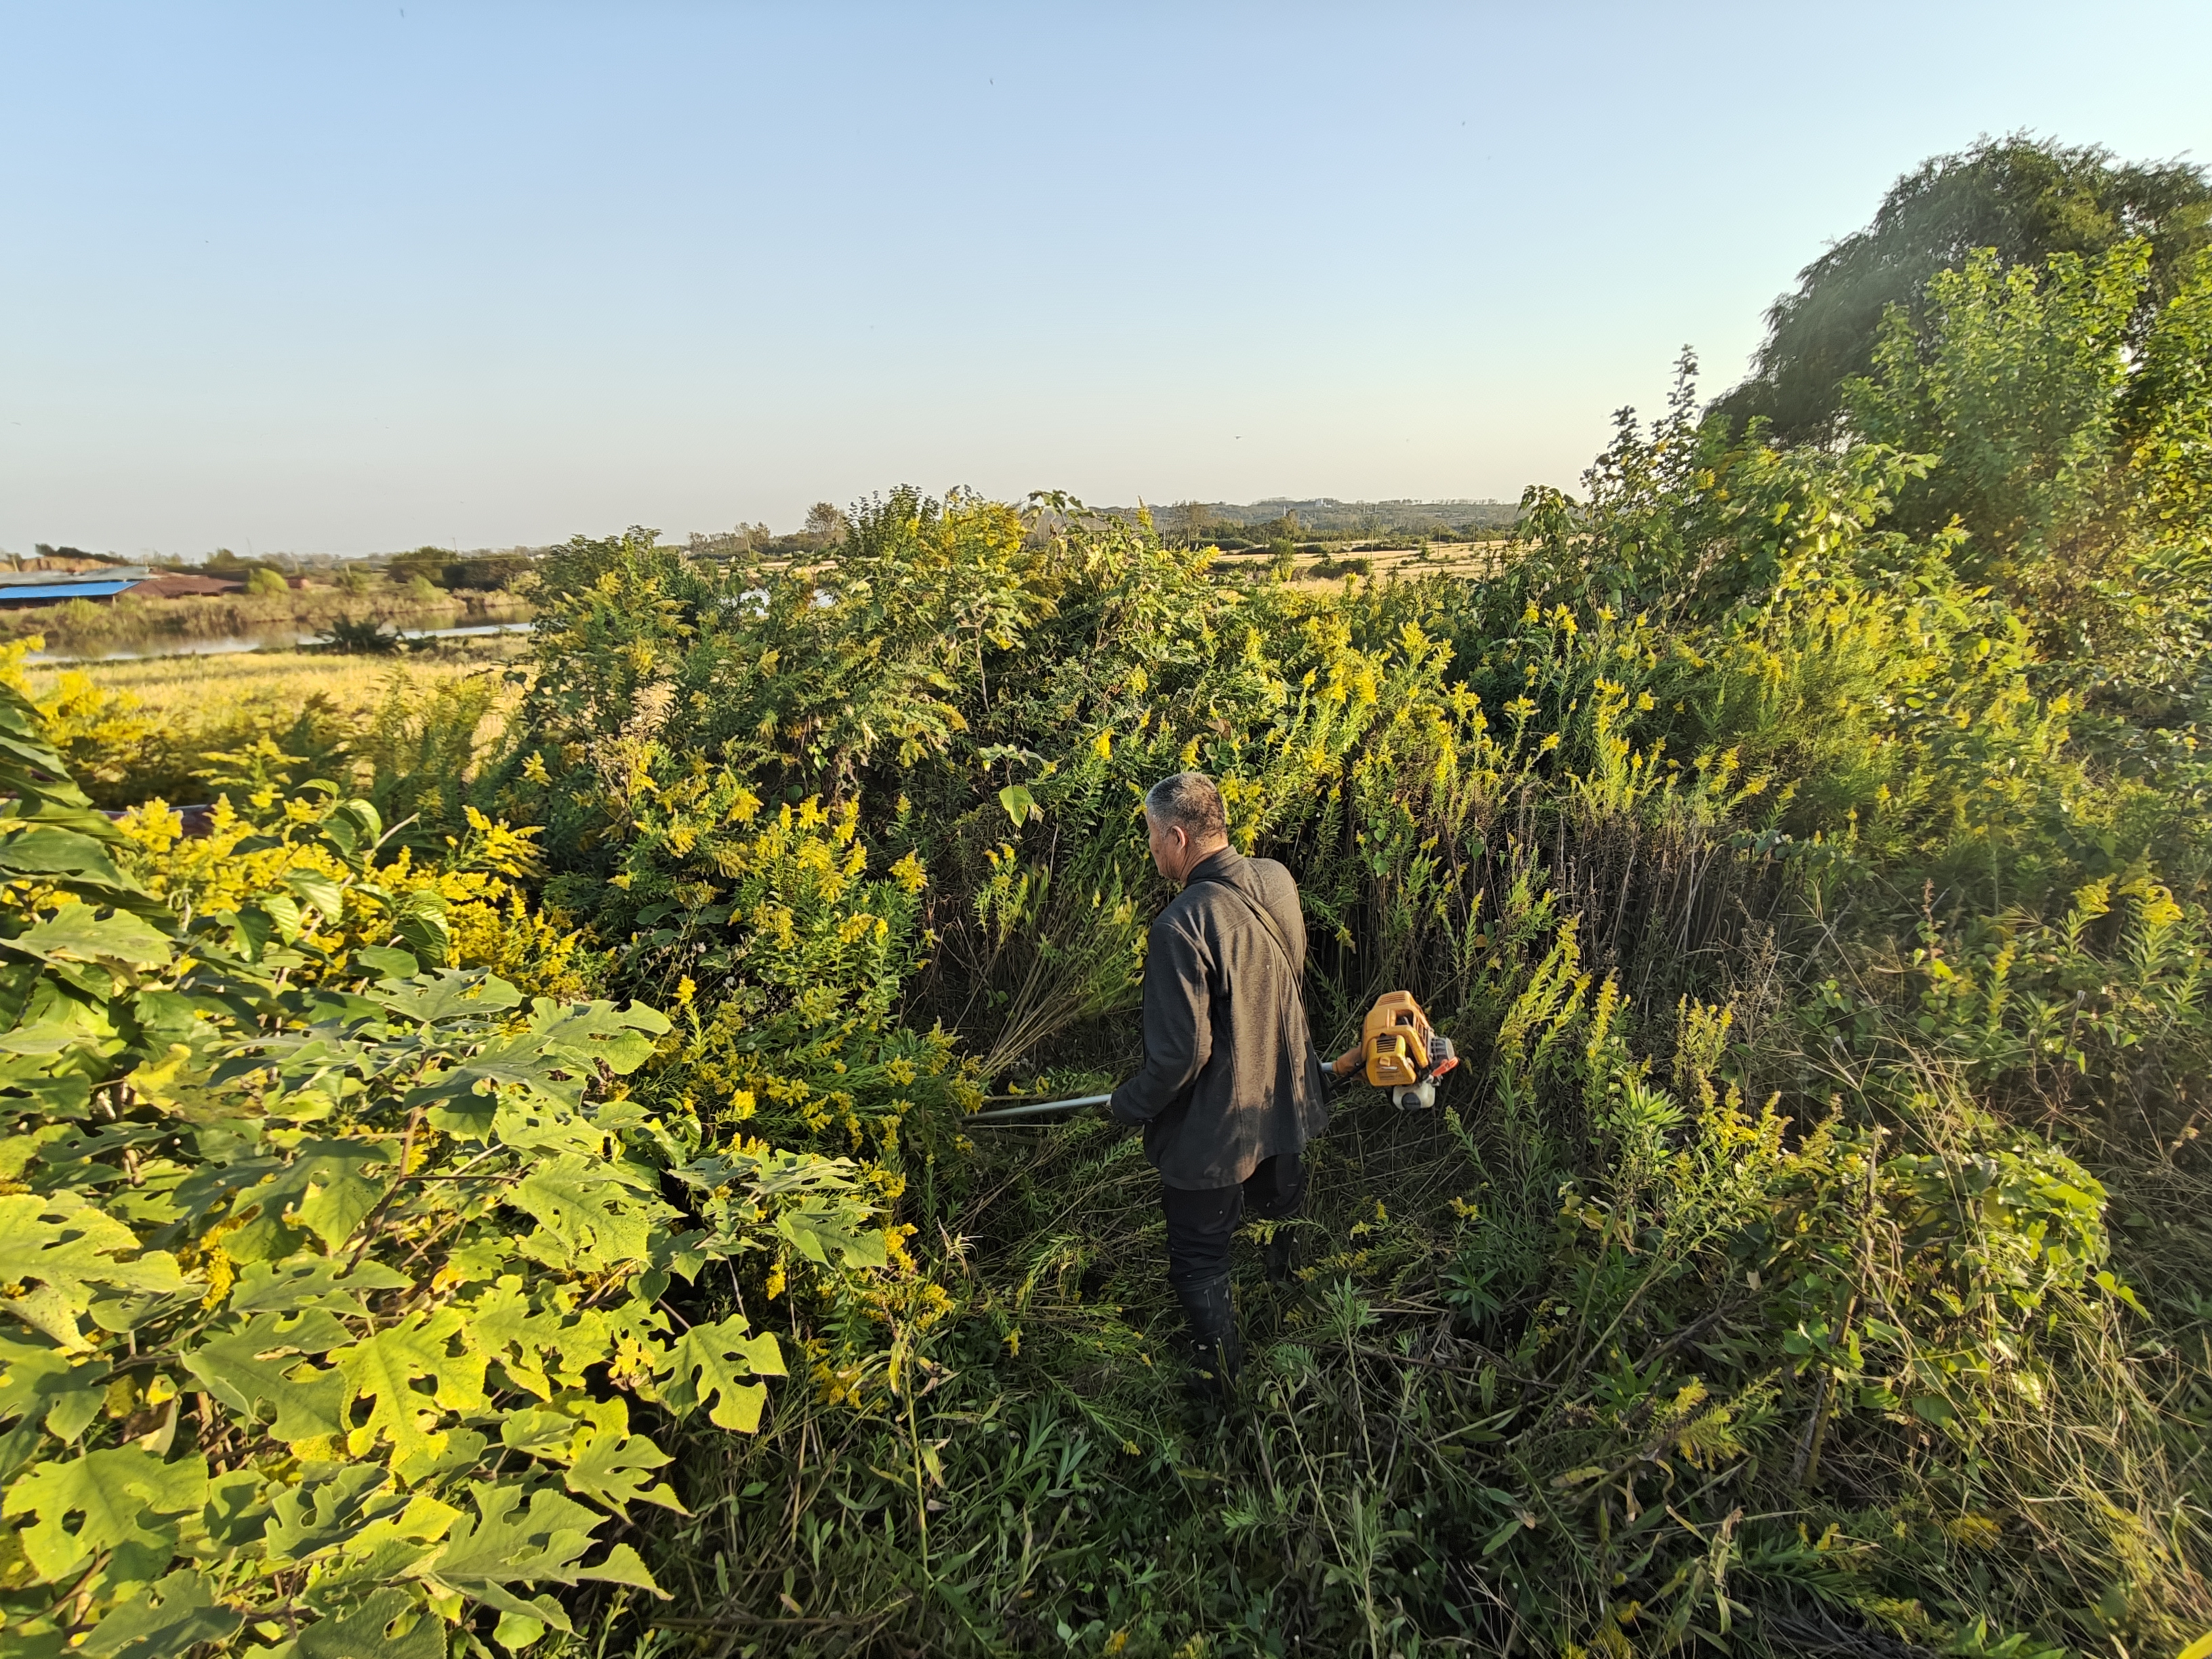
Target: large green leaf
(619, 1039)
(451, 994)
(332, 1504)
(714, 1362)
(383, 1369)
(75, 934)
(325, 1187)
(61, 1247)
(387, 962)
(248, 1369)
(353, 827)
(818, 1225)
(165, 1618)
(112, 1493)
(502, 1326)
(315, 888)
(302, 1282)
(364, 1631)
(594, 1213)
(609, 1464)
(44, 851)
(49, 1387)
(539, 1433)
(497, 1547)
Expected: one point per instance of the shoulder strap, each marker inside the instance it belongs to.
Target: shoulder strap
(1274, 932)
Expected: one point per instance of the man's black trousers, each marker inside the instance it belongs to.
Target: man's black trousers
(1200, 1223)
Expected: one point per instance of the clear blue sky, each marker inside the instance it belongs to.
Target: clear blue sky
(351, 278)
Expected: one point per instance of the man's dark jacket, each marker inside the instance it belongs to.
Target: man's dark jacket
(1231, 1075)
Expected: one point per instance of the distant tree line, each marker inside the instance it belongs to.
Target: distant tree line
(442, 567)
(1311, 525)
(825, 528)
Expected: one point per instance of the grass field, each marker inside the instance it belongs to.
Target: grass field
(157, 724)
(194, 689)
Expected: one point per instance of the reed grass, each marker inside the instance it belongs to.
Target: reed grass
(175, 728)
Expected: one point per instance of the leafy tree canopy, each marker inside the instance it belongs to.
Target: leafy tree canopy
(427, 562)
(2026, 198)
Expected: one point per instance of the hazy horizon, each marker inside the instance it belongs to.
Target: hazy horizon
(372, 276)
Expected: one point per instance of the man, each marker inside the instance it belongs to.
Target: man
(1231, 1089)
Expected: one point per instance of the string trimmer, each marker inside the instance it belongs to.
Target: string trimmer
(1404, 1054)
(1006, 1113)
(1404, 1057)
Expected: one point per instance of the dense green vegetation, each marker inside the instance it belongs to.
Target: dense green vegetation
(547, 1223)
(2020, 199)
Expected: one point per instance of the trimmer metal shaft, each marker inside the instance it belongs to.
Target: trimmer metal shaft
(1005, 1113)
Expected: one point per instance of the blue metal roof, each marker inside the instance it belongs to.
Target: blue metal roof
(66, 590)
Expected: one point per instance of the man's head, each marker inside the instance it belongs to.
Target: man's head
(1184, 822)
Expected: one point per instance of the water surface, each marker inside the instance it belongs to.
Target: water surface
(276, 639)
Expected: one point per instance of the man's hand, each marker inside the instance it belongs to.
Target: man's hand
(1347, 1062)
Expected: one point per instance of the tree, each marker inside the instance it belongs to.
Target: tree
(2015, 389)
(2070, 449)
(824, 525)
(2026, 199)
(424, 563)
(265, 584)
(489, 572)
(728, 544)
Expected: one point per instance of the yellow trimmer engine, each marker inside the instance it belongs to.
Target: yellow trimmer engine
(1404, 1054)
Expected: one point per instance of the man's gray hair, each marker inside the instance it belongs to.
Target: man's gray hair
(1189, 800)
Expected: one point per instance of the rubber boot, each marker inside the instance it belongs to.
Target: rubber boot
(1216, 1354)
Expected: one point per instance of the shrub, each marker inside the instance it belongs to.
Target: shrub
(81, 616)
(425, 1179)
(365, 637)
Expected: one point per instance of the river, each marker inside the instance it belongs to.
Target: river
(280, 639)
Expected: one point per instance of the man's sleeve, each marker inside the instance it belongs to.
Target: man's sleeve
(1178, 1035)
